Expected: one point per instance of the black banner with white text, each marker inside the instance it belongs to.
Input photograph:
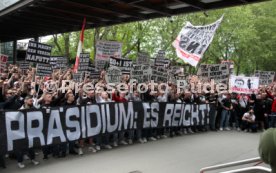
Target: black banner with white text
(21, 129)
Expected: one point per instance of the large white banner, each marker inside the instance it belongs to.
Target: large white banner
(106, 49)
(193, 41)
(241, 84)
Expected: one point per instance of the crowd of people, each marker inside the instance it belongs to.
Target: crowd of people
(228, 111)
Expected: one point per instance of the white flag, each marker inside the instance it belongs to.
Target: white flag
(192, 41)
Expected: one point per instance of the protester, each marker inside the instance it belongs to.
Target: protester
(249, 122)
(226, 112)
(24, 90)
(28, 104)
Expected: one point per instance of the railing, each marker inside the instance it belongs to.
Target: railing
(256, 160)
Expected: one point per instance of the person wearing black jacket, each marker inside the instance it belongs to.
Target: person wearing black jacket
(28, 104)
(61, 152)
(212, 99)
(149, 134)
(260, 109)
(87, 99)
(267, 111)
(49, 100)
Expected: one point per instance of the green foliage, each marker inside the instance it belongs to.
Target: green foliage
(246, 36)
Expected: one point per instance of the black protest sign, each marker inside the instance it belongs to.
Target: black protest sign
(113, 75)
(94, 74)
(101, 64)
(23, 129)
(141, 73)
(124, 64)
(38, 52)
(44, 70)
(159, 74)
(23, 65)
(230, 64)
(84, 62)
(160, 59)
(142, 58)
(59, 62)
(174, 72)
(218, 72)
(265, 77)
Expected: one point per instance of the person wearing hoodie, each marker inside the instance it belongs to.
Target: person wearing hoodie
(267, 148)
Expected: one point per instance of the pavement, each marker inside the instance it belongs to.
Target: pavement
(181, 154)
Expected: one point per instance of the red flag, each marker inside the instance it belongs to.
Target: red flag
(79, 51)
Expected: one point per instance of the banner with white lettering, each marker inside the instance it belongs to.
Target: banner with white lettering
(218, 72)
(125, 65)
(141, 73)
(84, 62)
(94, 74)
(22, 129)
(38, 52)
(161, 60)
(266, 77)
(193, 41)
(230, 64)
(23, 65)
(241, 84)
(44, 70)
(159, 74)
(142, 58)
(59, 62)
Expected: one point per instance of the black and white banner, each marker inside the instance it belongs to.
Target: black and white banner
(113, 75)
(23, 65)
(44, 70)
(141, 73)
(159, 74)
(218, 72)
(124, 64)
(22, 129)
(38, 52)
(84, 62)
(59, 62)
(265, 77)
(94, 74)
(160, 59)
(106, 49)
(142, 58)
(193, 41)
(246, 85)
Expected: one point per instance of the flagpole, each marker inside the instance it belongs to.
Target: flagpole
(79, 51)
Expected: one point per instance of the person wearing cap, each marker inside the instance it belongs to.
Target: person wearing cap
(267, 148)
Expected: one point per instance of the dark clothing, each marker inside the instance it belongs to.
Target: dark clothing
(226, 103)
(88, 101)
(260, 109)
(12, 103)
